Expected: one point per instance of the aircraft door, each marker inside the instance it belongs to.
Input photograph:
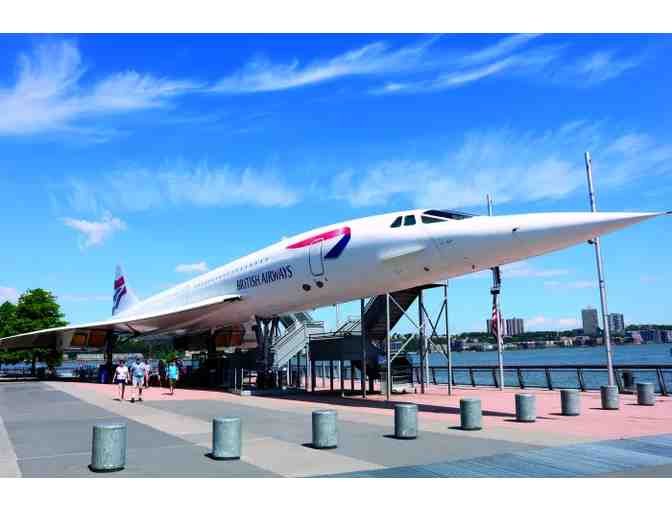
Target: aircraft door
(316, 259)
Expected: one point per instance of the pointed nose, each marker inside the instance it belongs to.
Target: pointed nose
(541, 233)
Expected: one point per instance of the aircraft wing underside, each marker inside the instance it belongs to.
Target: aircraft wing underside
(94, 334)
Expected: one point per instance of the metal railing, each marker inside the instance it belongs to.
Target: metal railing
(582, 377)
(293, 341)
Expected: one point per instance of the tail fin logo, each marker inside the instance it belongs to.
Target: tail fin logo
(119, 292)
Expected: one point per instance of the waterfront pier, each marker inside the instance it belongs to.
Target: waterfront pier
(46, 431)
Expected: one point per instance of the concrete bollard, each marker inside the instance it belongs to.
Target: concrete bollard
(108, 449)
(470, 414)
(609, 396)
(227, 441)
(405, 421)
(325, 430)
(526, 408)
(646, 394)
(571, 402)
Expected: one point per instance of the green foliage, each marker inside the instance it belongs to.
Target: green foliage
(51, 357)
(7, 319)
(149, 349)
(38, 309)
(14, 357)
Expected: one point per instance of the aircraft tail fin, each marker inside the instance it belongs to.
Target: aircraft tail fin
(123, 297)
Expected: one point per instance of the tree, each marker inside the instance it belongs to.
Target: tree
(38, 309)
(7, 319)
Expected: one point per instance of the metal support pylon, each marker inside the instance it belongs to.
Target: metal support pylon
(266, 331)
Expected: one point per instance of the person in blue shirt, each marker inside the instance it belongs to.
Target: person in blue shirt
(138, 371)
(172, 374)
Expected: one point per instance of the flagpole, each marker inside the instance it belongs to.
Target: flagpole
(497, 320)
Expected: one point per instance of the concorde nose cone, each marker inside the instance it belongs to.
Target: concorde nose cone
(541, 233)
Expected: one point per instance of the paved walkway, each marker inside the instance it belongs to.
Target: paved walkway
(45, 430)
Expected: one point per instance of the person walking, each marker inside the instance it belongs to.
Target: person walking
(148, 373)
(121, 377)
(162, 372)
(138, 371)
(172, 373)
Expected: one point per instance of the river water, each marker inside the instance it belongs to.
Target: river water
(652, 354)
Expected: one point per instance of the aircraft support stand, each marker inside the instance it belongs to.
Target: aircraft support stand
(363, 370)
(267, 330)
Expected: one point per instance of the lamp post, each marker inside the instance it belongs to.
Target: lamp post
(600, 274)
(496, 286)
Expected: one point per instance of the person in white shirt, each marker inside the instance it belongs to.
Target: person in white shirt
(138, 372)
(121, 378)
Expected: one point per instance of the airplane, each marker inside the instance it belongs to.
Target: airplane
(340, 263)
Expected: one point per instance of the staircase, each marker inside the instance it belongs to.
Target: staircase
(298, 328)
(375, 316)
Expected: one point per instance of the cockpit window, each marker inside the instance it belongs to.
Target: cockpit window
(396, 223)
(451, 215)
(409, 220)
(432, 219)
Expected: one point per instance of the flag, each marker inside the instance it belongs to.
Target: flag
(495, 318)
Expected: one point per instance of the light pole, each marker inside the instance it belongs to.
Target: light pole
(600, 274)
(496, 287)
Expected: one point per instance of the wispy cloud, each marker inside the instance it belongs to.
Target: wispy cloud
(95, 233)
(50, 94)
(8, 294)
(511, 165)
(577, 284)
(516, 57)
(601, 66)
(140, 189)
(262, 75)
(84, 298)
(522, 269)
(198, 267)
(543, 323)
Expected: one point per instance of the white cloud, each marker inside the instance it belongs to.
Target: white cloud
(525, 269)
(513, 55)
(577, 284)
(511, 165)
(50, 95)
(95, 232)
(202, 186)
(262, 75)
(198, 267)
(600, 66)
(543, 323)
(521, 269)
(83, 298)
(504, 46)
(8, 294)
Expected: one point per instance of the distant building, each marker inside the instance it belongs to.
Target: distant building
(589, 319)
(666, 336)
(616, 324)
(651, 336)
(488, 327)
(514, 327)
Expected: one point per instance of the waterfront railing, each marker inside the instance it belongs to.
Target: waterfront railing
(581, 377)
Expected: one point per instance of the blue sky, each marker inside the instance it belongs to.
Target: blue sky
(173, 154)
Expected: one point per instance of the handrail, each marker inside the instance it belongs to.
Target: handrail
(555, 376)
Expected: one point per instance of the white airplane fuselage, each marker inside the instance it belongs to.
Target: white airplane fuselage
(373, 255)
